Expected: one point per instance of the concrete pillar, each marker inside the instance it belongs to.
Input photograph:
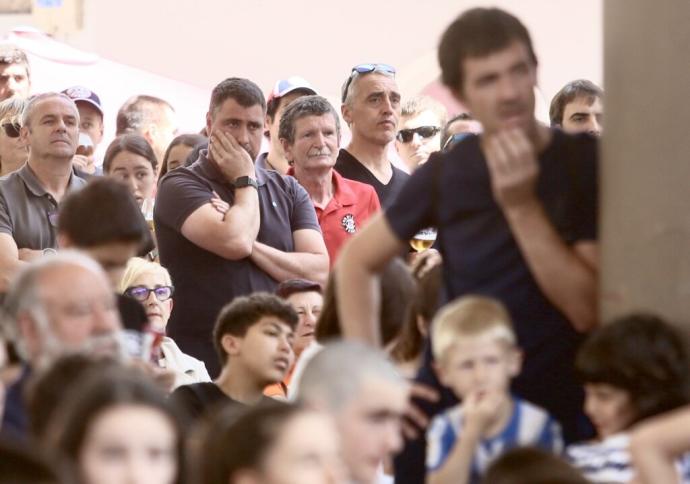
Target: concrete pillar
(645, 216)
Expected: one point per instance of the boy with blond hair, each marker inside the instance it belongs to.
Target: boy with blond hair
(476, 356)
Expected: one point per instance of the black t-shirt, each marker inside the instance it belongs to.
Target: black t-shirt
(349, 167)
(195, 400)
(452, 191)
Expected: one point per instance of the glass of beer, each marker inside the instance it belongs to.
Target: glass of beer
(423, 239)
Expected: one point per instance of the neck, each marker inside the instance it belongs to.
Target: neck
(239, 386)
(318, 183)
(505, 411)
(373, 156)
(53, 174)
(277, 161)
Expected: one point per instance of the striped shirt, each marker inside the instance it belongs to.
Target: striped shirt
(529, 425)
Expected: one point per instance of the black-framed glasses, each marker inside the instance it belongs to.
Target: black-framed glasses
(365, 69)
(454, 139)
(406, 135)
(141, 293)
(11, 129)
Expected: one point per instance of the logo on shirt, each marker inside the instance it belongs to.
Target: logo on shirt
(348, 223)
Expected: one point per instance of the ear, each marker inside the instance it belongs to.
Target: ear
(64, 241)
(231, 344)
(149, 134)
(287, 149)
(24, 135)
(209, 123)
(245, 476)
(515, 362)
(438, 369)
(422, 326)
(267, 126)
(347, 113)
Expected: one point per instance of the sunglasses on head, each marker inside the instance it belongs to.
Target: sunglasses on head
(365, 69)
(406, 135)
(11, 129)
(141, 293)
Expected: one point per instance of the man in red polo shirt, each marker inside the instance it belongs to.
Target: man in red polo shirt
(310, 134)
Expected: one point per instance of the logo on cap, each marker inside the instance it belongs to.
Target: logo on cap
(78, 92)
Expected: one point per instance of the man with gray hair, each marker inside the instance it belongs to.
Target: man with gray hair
(56, 305)
(367, 398)
(29, 197)
(371, 108)
(310, 135)
(150, 117)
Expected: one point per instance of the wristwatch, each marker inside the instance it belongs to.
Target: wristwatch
(245, 181)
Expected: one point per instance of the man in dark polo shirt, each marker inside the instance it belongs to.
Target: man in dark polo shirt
(29, 197)
(371, 108)
(269, 234)
(515, 210)
(310, 133)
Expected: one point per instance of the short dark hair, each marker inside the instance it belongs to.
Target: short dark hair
(294, 286)
(274, 103)
(299, 108)
(245, 311)
(11, 54)
(190, 140)
(245, 92)
(139, 111)
(237, 439)
(478, 32)
(133, 143)
(642, 355)
(530, 465)
(397, 290)
(102, 212)
(570, 92)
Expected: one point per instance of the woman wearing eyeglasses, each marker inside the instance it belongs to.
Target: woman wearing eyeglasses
(150, 284)
(13, 152)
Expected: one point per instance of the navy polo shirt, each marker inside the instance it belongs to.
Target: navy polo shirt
(205, 282)
(452, 191)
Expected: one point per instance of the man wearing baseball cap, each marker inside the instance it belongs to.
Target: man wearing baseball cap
(90, 123)
(284, 92)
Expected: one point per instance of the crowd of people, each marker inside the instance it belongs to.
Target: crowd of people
(192, 309)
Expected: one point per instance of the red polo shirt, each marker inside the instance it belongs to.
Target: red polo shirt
(352, 204)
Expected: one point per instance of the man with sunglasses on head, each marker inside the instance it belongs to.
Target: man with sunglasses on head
(29, 197)
(421, 122)
(371, 108)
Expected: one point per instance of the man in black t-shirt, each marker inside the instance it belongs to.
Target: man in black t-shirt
(516, 214)
(371, 108)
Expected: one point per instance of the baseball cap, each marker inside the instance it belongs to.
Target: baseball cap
(83, 94)
(286, 86)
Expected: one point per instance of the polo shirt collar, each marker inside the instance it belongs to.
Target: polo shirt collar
(32, 182)
(211, 172)
(342, 193)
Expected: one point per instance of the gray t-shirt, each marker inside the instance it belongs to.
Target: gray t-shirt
(27, 211)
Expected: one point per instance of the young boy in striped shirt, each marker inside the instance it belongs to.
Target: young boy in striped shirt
(476, 356)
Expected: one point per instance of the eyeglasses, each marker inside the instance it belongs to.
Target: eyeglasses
(11, 129)
(141, 293)
(364, 69)
(454, 139)
(406, 135)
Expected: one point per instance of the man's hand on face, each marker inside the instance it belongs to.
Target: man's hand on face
(230, 157)
(513, 168)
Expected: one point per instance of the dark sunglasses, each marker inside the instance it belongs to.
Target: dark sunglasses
(141, 293)
(364, 69)
(406, 135)
(11, 129)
